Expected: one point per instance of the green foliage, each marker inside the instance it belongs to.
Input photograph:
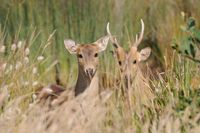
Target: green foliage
(193, 99)
(189, 44)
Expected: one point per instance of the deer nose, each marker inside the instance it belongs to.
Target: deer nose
(90, 72)
(128, 80)
(126, 77)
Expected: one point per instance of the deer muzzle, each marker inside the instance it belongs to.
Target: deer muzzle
(90, 72)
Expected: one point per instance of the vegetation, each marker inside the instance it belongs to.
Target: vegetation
(189, 44)
(32, 54)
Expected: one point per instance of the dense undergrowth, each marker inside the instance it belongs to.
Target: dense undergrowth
(32, 54)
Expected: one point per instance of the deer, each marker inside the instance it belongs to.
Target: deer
(87, 59)
(129, 65)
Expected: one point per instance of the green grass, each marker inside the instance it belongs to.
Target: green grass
(42, 27)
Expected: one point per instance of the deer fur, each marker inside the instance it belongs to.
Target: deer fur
(87, 56)
(128, 62)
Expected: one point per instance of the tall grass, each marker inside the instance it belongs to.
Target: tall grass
(41, 27)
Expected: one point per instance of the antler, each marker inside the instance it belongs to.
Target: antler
(138, 41)
(112, 38)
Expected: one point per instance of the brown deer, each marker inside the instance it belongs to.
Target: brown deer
(128, 63)
(88, 61)
(87, 56)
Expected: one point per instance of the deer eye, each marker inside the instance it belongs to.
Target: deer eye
(96, 55)
(134, 62)
(80, 56)
(120, 63)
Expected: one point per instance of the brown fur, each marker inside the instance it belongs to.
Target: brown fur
(87, 56)
(129, 64)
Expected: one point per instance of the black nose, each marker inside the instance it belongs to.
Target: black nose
(90, 72)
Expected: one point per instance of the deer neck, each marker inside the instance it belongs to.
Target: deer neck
(135, 80)
(142, 88)
(84, 82)
(139, 78)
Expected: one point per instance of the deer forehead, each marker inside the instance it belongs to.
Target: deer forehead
(123, 55)
(87, 49)
(133, 53)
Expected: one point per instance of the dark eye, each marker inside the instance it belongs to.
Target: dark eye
(96, 55)
(80, 56)
(134, 62)
(120, 63)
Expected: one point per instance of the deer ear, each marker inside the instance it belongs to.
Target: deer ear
(144, 54)
(102, 43)
(71, 46)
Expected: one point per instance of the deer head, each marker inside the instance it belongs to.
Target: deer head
(128, 61)
(87, 54)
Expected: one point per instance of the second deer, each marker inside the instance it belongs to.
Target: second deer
(128, 63)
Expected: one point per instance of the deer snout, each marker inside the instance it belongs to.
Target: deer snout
(90, 72)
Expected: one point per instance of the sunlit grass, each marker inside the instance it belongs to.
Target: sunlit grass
(31, 45)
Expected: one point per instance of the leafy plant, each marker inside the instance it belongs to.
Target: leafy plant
(189, 44)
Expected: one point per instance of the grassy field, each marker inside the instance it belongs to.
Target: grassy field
(32, 54)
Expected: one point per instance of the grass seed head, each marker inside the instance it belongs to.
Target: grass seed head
(2, 49)
(19, 44)
(13, 47)
(27, 51)
(40, 58)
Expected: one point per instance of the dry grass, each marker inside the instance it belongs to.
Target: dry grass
(28, 58)
(174, 109)
(79, 114)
